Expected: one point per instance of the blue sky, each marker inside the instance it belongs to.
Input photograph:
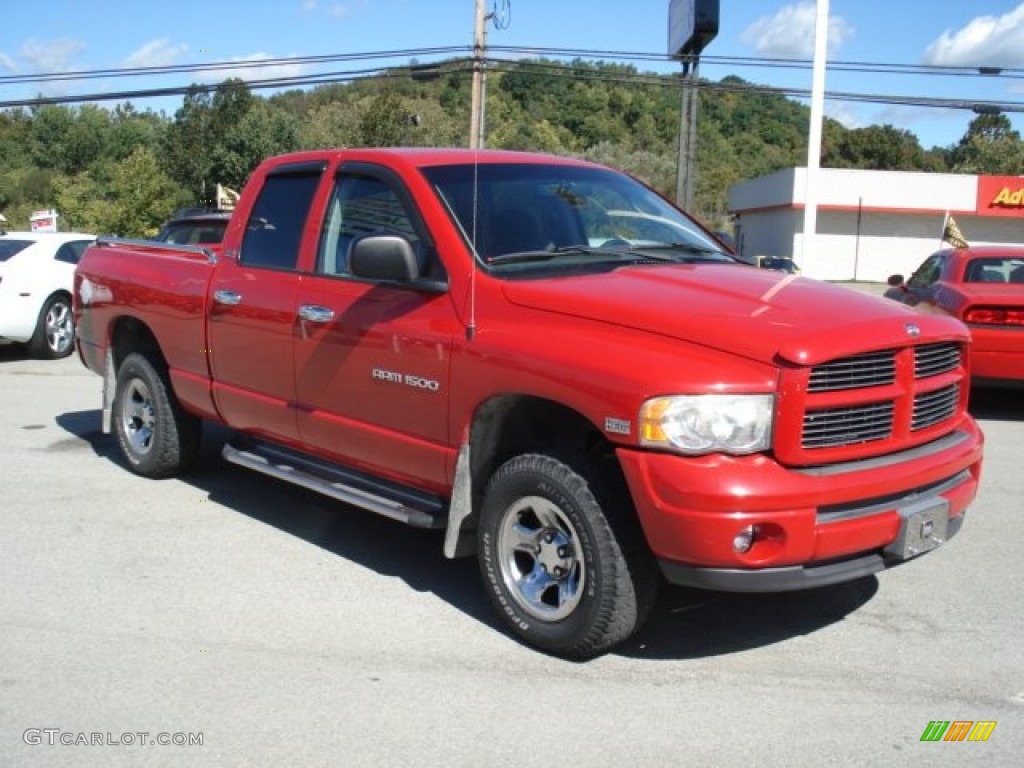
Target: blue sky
(71, 35)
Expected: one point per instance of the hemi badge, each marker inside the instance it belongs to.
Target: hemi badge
(618, 426)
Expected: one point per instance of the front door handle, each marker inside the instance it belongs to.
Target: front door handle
(231, 298)
(316, 314)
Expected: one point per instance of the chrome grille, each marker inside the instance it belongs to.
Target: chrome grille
(933, 359)
(872, 369)
(931, 408)
(831, 427)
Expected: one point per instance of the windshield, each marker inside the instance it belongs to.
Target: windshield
(530, 216)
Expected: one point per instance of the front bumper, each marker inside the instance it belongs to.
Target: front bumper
(815, 526)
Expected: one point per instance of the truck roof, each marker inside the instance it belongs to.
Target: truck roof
(428, 156)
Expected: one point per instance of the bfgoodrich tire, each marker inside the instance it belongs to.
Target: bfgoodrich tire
(562, 557)
(157, 438)
(54, 335)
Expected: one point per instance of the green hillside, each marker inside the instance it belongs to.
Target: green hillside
(125, 170)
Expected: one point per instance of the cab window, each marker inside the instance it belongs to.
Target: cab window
(363, 204)
(273, 233)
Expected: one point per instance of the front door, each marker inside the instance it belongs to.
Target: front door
(372, 359)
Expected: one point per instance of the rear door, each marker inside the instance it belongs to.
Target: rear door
(252, 306)
(372, 359)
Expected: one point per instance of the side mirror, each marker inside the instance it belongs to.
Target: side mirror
(384, 257)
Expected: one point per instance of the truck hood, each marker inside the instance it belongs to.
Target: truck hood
(759, 314)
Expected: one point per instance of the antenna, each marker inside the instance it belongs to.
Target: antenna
(471, 240)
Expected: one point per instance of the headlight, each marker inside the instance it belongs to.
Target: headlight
(695, 424)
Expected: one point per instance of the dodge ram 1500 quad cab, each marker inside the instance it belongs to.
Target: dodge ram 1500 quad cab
(550, 362)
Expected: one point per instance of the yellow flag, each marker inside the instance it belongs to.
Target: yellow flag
(952, 234)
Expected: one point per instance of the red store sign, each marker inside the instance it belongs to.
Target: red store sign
(1001, 196)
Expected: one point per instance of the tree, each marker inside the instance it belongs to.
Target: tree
(990, 146)
(185, 148)
(385, 122)
(264, 130)
(131, 198)
(331, 125)
(879, 148)
(143, 195)
(194, 147)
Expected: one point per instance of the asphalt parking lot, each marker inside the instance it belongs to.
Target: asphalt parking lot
(283, 629)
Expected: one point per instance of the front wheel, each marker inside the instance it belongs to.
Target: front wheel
(157, 438)
(568, 575)
(54, 335)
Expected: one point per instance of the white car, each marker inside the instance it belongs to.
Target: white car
(37, 270)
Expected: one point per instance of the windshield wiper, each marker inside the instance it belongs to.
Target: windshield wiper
(699, 252)
(688, 247)
(523, 257)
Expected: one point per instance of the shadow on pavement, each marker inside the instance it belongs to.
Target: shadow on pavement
(693, 623)
(10, 353)
(997, 404)
(685, 623)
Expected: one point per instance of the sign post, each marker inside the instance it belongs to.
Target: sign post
(692, 24)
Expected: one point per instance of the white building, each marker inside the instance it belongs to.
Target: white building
(872, 224)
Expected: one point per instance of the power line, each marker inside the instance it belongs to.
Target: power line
(463, 66)
(615, 55)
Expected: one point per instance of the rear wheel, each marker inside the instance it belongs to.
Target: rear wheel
(156, 436)
(55, 330)
(562, 559)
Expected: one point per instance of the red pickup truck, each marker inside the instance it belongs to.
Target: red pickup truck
(547, 360)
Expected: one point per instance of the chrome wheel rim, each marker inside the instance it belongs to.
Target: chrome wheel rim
(59, 328)
(138, 417)
(538, 550)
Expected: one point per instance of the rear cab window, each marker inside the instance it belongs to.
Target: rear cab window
(273, 232)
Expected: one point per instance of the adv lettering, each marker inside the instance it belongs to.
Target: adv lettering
(1009, 198)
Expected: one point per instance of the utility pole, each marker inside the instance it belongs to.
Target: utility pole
(478, 109)
(814, 138)
(683, 155)
(686, 164)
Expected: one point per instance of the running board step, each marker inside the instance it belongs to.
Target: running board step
(388, 499)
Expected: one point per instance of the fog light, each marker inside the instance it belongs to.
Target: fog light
(744, 540)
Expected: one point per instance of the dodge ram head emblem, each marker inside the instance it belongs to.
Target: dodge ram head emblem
(913, 330)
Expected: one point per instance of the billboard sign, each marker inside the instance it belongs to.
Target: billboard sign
(692, 24)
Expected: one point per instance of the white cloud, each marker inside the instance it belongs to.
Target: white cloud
(346, 10)
(789, 34)
(253, 71)
(994, 41)
(8, 63)
(845, 113)
(309, 5)
(50, 55)
(156, 53)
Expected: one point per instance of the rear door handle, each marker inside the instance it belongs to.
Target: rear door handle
(316, 314)
(230, 298)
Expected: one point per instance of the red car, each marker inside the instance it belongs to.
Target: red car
(983, 287)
